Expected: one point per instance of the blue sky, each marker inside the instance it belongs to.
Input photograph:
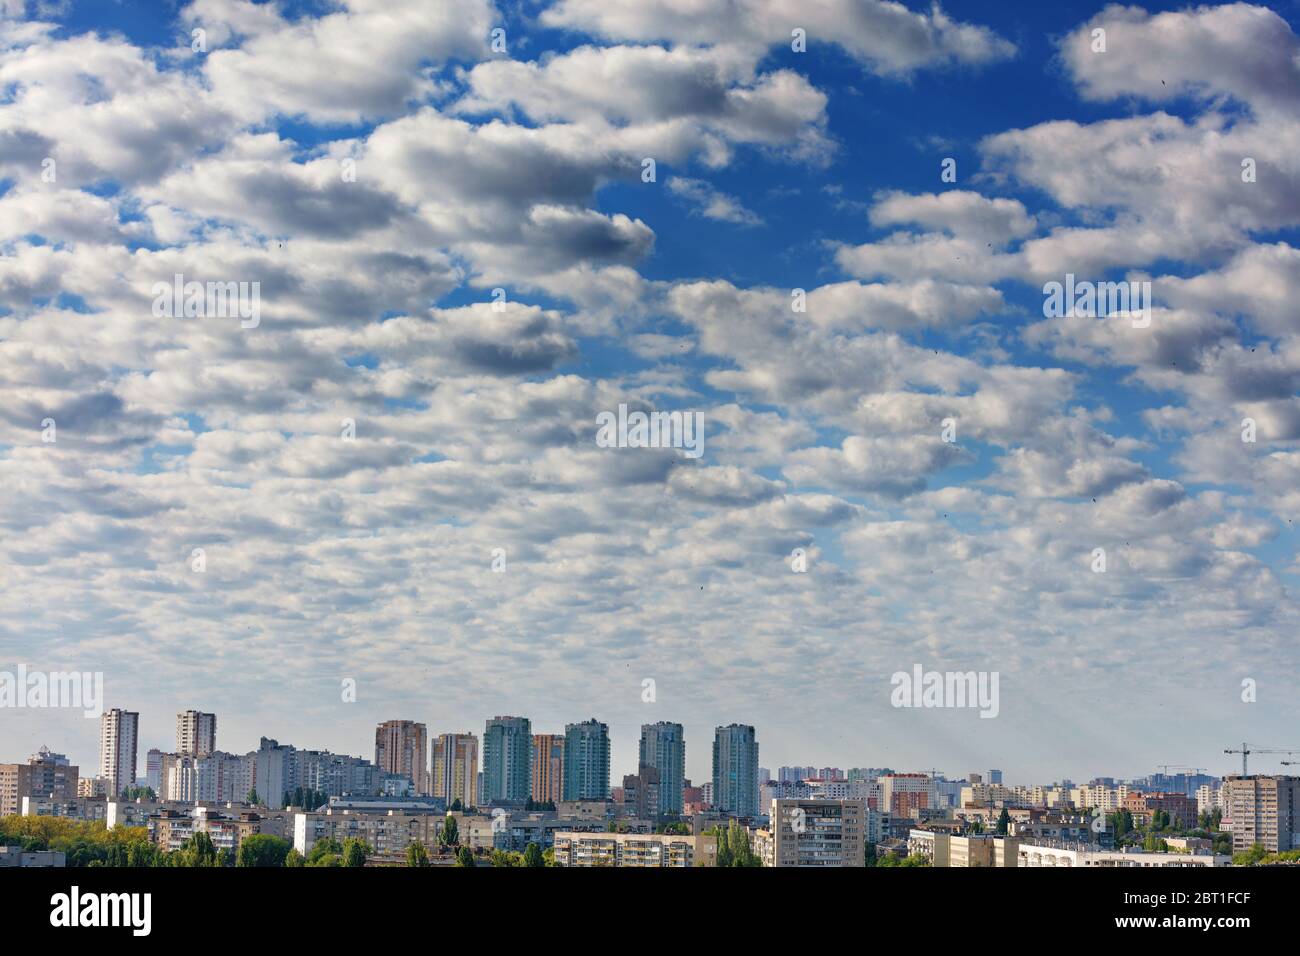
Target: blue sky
(474, 428)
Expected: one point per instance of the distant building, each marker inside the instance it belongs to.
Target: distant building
(153, 770)
(964, 850)
(196, 733)
(1180, 807)
(548, 768)
(45, 775)
(118, 732)
(663, 747)
(1090, 855)
(402, 747)
(16, 856)
(586, 761)
(903, 793)
(640, 793)
(455, 769)
(91, 787)
(507, 760)
(735, 770)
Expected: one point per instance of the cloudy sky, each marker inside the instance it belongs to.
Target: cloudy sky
(380, 167)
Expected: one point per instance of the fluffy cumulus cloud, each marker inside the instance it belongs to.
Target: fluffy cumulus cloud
(428, 255)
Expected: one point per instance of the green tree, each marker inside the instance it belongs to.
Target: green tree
(1004, 822)
(325, 852)
(417, 855)
(724, 850)
(355, 852)
(869, 856)
(253, 798)
(197, 851)
(262, 849)
(464, 857)
(533, 855)
(1250, 857)
(450, 835)
(293, 859)
(738, 844)
(456, 805)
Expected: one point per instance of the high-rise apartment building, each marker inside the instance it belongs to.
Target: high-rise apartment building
(196, 733)
(548, 767)
(153, 777)
(455, 769)
(814, 833)
(402, 747)
(663, 747)
(118, 732)
(46, 774)
(735, 770)
(1264, 810)
(586, 761)
(507, 760)
(902, 793)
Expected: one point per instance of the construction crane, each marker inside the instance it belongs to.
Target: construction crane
(1166, 767)
(1246, 751)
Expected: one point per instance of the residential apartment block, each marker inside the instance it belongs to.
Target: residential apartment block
(634, 849)
(1263, 809)
(814, 833)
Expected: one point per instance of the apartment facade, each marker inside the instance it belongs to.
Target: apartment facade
(735, 770)
(548, 767)
(402, 747)
(663, 747)
(118, 733)
(455, 769)
(586, 761)
(965, 851)
(507, 760)
(196, 733)
(1263, 809)
(903, 793)
(634, 849)
(814, 833)
(1091, 855)
(45, 775)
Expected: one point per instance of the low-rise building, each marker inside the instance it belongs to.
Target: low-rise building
(13, 856)
(1091, 855)
(635, 849)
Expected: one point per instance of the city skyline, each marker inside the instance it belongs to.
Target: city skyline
(1264, 758)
